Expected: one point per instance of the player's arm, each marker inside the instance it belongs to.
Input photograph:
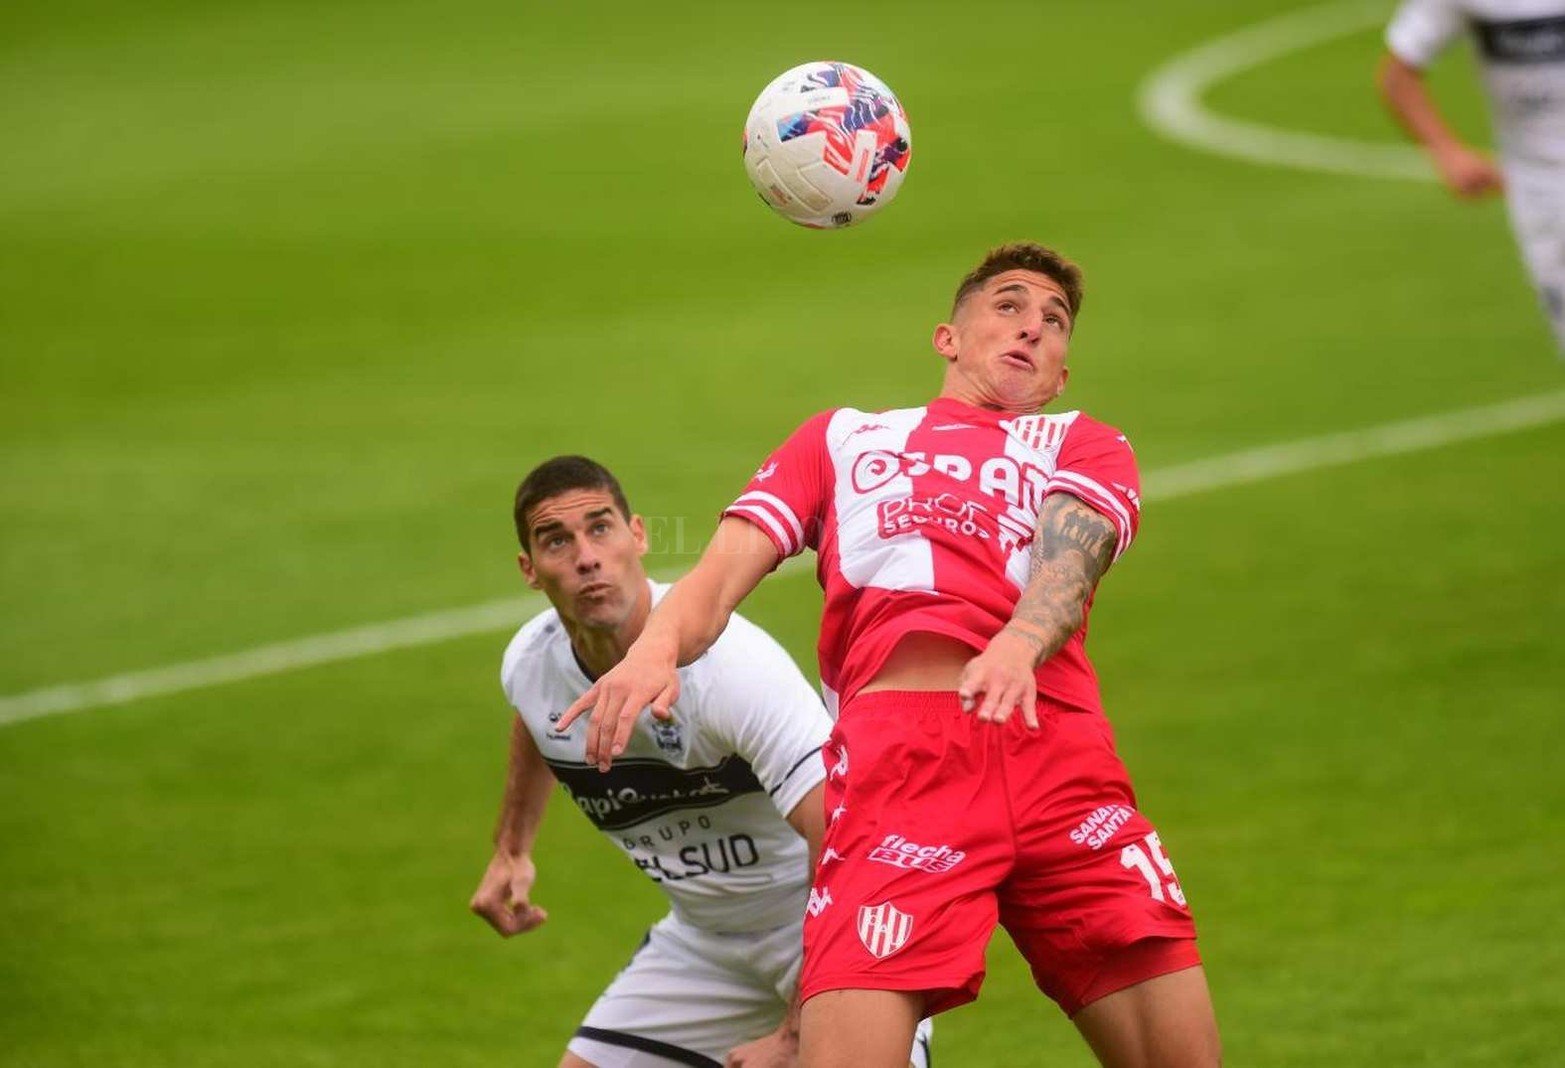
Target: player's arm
(685, 623)
(503, 897)
(1464, 170)
(809, 819)
(695, 611)
(1072, 548)
(781, 1047)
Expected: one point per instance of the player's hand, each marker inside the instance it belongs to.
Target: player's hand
(646, 677)
(502, 895)
(780, 1049)
(1000, 679)
(1468, 173)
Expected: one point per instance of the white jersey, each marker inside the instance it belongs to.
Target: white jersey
(1521, 44)
(697, 803)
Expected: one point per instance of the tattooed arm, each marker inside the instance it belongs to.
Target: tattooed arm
(1071, 549)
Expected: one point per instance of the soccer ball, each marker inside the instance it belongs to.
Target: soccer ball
(826, 144)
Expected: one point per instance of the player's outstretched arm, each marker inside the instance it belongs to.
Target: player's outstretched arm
(1072, 547)
(1464, 170)
(686, 622)
(504, 895)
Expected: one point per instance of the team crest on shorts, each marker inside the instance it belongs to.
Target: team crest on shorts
(883, 929)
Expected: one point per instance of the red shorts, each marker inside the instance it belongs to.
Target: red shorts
(938, 826)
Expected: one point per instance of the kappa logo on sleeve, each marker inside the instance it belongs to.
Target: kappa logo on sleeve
(766, 472)
(900, 853)
(883, 929)
(839, 770)
(820, 901)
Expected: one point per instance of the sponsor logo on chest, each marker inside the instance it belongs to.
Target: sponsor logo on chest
(1540, 40)
(980, 468)
(636, 790)
(1016, 487)
(1016, 482)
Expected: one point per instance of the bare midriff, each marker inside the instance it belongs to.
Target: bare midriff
(922, 661)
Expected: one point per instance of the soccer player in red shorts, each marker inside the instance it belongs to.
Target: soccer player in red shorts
(972, 525)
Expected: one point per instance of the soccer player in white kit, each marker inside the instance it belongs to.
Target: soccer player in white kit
(720, 804)
(1521, 44)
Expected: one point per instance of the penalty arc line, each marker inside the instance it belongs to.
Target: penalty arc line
(1181, 480)
(1169, 99)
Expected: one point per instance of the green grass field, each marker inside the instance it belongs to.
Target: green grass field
(292, 294)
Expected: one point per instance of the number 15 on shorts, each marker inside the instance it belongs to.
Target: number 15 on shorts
(1147, 857)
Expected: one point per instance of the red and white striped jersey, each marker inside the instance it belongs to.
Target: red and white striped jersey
(922, 519)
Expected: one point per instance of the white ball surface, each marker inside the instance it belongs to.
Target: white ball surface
(827, 144)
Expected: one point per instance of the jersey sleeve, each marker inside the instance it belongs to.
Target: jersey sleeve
(757, 701)
(513, 664)
(787, 495)
(1421, 29)
(1098, 467)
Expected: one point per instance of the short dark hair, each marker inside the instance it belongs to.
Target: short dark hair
(554, 477)
(1024, 256)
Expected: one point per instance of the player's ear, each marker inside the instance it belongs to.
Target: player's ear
(638, 530)
(945, 341)
(1059, 387)
(526, 564)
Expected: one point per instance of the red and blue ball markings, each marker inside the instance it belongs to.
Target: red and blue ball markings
(867, 109)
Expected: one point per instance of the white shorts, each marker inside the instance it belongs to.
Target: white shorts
(689, 996)
(1535, 194)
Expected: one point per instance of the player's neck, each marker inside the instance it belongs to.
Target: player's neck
(599, 650)
(959, 387)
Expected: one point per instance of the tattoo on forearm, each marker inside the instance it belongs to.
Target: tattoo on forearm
(1073, 546)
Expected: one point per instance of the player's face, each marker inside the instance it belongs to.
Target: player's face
(586, 558)
(1006, 345)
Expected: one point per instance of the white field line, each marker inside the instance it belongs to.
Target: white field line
(1169, 100)
(1181, 480)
